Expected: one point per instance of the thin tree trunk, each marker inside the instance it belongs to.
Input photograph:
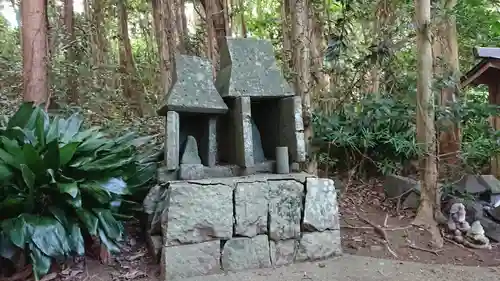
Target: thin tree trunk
(71, 82)
(426, 136)
(287, 41)
(446, 46)
(165, 41)
(211, 51)
(317, 53)
(34, 39)
(301, 65)
(132, 89)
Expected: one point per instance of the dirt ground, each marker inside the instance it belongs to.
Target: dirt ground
(359, 203)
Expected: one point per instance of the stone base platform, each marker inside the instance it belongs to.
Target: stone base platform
(209, 226)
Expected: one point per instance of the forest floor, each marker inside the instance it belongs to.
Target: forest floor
(358, 204)
(366, 258)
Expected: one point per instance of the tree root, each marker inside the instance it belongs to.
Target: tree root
(380, 231)
(435, 252)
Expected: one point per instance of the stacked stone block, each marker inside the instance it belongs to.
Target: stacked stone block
(234, 224)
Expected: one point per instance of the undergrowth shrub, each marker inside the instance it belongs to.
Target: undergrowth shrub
(378, 135)
(60, 182)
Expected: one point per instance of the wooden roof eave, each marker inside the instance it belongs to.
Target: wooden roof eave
(475, 73)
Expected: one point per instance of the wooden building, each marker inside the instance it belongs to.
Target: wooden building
(487, 72)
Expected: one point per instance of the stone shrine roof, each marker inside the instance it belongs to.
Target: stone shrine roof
(192, 88)
(248, 68)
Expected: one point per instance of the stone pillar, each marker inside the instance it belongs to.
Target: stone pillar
(242, 120)
(172, 144)
(282, 165)
(211, 151)
(292, 128)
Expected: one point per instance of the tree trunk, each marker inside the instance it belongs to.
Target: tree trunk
(132, 89)
(99, 43)
(426, 137)
(446, 48)
(211, 51)
(180, 19)
(34, 39)
(71, 82)
(165, 41)
(218, 27)
(287, 41)
(301, 65)
(317, 53)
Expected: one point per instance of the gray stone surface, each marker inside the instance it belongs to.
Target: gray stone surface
(396, 185)
(221, 171)
(411, 201)
(491, 228)
(301, 147)
(172, 144)
(149, 202)
(474, 211)
(248, 68)
(319, 245)
(185, 261)
(258, 168)
(283, 252)
(285, 209)
(282, 160)
(251, 208)
(242, 122)
(495, 213)
(191, 154)
(292, 128)
(210, 142)
(471, 184)
(192, 88)
(491, 183)
(258, 151)
(246, 253)
(198, 213)
(295, 167)
(155, 245)
(153, 226)
(163, 175)
(321, 208)
(271, 178)
(191, 172)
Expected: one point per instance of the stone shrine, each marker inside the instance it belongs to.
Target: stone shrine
(225, 198)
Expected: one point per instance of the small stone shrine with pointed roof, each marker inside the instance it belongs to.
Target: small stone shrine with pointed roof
(230, 196)
(231, 128)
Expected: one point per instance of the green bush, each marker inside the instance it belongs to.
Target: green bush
(60, 182)
(379, 134)
(374, 133)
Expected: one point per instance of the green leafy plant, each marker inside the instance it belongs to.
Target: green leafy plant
(376, 133)
(60, 182)
(379, 134)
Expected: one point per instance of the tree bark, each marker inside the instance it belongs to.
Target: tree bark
(426, 136)
(34, 46)
(446, 48)
(211, 51)
(71, 82)
(218, 26)
(287, 41)
(165, 40)
(301, 65)
(131, 87)
(317, 53)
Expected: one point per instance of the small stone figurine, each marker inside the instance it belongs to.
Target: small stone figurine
(460, 230)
